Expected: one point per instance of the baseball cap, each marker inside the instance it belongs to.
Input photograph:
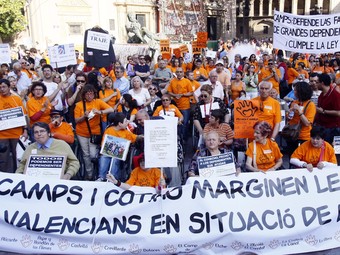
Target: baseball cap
(219, 62)
(56, 112)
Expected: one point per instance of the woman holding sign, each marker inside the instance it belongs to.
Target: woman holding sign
(263, 154)
(212, 143)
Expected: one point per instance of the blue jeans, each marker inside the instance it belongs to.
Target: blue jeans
(186, 118)
(104, 165)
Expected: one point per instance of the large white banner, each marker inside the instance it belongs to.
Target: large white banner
(281, 212)
(306, 34)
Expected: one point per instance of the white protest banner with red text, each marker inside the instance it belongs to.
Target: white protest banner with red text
(282, 212)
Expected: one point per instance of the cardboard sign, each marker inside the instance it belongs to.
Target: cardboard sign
(165, 46)
(195, 48)
(115, 147)
(202, 38)
(46, 166)
(12, 118)
(5, 53)
(216, 166)
(184, 48)
(98, 41)
(62, 55)
(177, 52)
(245, 116)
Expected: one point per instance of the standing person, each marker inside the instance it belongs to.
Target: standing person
(304, 112)
(88, 111)
(270, 110)
(251, 81)
(46, 145)
(121, 83)
(224, 78)
(271, 74)
(200, 74)
(314, 83)
(328, 110)
(263, 154)
(23, 82)
(10, 137)
(181, 89)
(237, 85)
(162, 76)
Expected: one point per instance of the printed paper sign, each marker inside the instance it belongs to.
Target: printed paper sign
(306, 33)
(337, 144)
(115, 147)
(245, 116)
(160, 143)
(216, 166)
(47, 166)
(62, 55)
(98, 41)
(12, 118)
(5, 53)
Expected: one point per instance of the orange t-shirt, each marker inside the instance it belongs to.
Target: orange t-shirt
(270, 110)
(304, 72)
(181, 87)
(266, 154)
(113, 101)
(81, 127)
(171, 111)
(8, 102)
(195, 86)
(292, 74)
(34, 106)
(236, 89)
(63, 132)
(310, 114)
(201, 71)
(311, 155)
(266, 72)
(144, 178)
(122, 133)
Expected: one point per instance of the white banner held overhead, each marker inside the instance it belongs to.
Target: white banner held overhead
(99, 41)
(306, 34)
(160, 143)
(5, 53)
(62, 55)
(282, 212)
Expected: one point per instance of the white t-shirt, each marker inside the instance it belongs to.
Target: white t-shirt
(51, 87)
(140, 97)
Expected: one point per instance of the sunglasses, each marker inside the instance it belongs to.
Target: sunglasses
(81, 81)
(164, 100)
(204, 96)
(152, 89)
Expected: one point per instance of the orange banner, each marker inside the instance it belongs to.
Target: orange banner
(195, 49)
(165, 46)
(177, 52)
(245, 116)
(202, 38)
(184, 48)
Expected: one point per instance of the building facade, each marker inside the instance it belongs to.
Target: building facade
(64, 21)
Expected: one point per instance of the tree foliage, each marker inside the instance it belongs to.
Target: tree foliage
(12, 20)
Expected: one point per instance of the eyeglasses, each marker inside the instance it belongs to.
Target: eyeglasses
(152, 89)
(38, 89)
(40, 132)
(165, 99)
(81, 81)
(204, 96)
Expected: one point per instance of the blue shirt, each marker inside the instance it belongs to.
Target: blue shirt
(47, 145)
(122, 84)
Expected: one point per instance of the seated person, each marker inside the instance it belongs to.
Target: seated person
(140, 176)
(212, 142)
(46, 145)
(263, 154)
(216, 123)
(314, 153)
(118, 127)
(59, 129)
(168, 110)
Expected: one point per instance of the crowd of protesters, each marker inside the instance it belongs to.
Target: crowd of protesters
(78, 104)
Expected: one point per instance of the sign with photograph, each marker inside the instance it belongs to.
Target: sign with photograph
(98, 41)
(12, 118)
(115, 147)
(62, 55)
(47, 166)
(5, 53)
(160, 143)
(216, 166)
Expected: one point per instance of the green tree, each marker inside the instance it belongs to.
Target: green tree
(12, 20)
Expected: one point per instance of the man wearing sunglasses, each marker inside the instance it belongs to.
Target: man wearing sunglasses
(271, 74)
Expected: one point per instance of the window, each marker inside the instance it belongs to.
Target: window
(75, 29)
(265, 29)
(141, 19)
(112, 24)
